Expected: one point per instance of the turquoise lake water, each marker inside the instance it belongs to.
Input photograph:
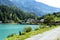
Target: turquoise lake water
(8, 29)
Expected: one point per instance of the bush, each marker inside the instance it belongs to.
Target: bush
(27, 29)
(21, 33)
(36, 28)
(43, 26)
(11, 35)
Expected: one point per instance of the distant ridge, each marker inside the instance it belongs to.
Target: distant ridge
(31, 6)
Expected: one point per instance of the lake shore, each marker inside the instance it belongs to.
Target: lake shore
(8, 29)
(31, 34)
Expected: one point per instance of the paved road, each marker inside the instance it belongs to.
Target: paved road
(48, 35)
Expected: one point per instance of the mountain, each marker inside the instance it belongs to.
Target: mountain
(14, 15)
(6, 2)
(36, 7)
(31, 6)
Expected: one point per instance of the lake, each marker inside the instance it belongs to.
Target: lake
(8, 29)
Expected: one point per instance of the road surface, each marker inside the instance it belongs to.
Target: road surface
(48, 35)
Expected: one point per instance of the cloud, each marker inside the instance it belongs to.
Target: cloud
(54, 3)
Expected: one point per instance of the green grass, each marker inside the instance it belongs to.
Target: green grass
(57, 18)
(29, 34)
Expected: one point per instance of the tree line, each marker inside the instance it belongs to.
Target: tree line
(15, 15)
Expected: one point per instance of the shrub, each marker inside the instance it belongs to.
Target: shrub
(21, 33)
(36, 28)
(10, 35)
(27, 29)
(43, 26)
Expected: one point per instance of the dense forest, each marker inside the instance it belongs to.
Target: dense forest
(15, 15)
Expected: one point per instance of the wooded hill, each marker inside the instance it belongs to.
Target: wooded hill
(14, 14)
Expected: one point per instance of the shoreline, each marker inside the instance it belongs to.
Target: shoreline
(32, 33)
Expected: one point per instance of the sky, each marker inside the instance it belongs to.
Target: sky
(53, 3)
(10, 0)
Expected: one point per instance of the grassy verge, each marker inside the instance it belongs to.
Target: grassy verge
(29, 34)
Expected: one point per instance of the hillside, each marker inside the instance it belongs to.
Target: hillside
(38, 8)
(6, 2)
(16, 15)
(13, 14)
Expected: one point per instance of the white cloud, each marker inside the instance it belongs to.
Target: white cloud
(54, 3)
